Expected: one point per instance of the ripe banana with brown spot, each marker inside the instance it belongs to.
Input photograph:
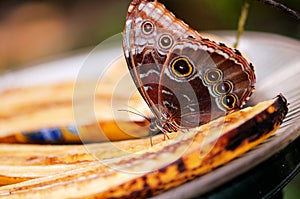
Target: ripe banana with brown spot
(148, 171)
(21, 162)
(32, 114)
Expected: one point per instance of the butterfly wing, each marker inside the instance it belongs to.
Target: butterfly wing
(198, 84)
(184, 79)
(146, 25)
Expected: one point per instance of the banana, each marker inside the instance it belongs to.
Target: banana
(44, 113)
(43, 160)
(134, 169)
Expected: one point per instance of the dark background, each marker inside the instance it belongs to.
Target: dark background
(32, 31)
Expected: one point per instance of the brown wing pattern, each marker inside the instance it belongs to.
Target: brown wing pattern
(185, 79)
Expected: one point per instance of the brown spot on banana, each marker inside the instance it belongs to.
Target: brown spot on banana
(253, 125)
(204, 149)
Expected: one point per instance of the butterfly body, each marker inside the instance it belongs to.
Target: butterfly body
(186, 80)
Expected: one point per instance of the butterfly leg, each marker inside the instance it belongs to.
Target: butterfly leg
(165, 136)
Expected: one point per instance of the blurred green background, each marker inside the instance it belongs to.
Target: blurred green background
(32, 31)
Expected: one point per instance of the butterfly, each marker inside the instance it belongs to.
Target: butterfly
(185, 79)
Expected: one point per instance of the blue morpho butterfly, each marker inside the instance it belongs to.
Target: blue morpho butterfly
(186, 80)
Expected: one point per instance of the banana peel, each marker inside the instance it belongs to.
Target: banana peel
(134, 169)
(44, 114)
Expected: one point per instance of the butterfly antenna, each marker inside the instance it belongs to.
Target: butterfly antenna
(281, 7)
(136, 110)
(136, 113)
